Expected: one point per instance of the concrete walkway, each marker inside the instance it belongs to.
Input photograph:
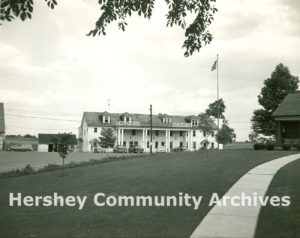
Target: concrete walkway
(238, 221)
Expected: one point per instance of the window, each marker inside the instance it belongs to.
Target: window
(95, 129)
(194, 133)
(148, 144)
(194, 145)
(181, 144)
(171, 133)
(130, 143)
(156, 144)
(162, 143)
(156, 132)
(133, 132)
(204, 133)
(180, 133)
(195, 122)
(136, 143)
(95, 143)
(124, 143)
(127, 119)
(166, 120)
(148, 132)
(171, 145)
(106, 119)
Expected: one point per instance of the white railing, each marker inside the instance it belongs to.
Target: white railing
(128, 123)
(181, 124)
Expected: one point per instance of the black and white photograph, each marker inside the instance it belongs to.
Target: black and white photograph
(149, 118)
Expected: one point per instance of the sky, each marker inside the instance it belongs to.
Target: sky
(51, 72)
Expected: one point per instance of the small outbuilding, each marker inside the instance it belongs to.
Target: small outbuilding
(287, 117)
(49, 142)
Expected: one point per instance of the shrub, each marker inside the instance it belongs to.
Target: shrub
(28, 170)
(259, 146)
(286, 146)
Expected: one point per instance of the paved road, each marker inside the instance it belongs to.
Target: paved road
(240, 221)
(10, 160)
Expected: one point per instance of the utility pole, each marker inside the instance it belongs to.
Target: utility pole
(150, 128)
(218, 97)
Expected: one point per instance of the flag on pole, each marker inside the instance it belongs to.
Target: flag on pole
(214, 66)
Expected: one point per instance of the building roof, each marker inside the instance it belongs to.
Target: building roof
(2, 120)
(93, 119)
(49, 138)
(290, 106)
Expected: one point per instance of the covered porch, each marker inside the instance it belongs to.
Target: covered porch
(288, 132)
(163, 140)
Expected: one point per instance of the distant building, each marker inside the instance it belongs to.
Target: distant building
(2, 125)
(287, 117)
(48, 142)
(168, 131)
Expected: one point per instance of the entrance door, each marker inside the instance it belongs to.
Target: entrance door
(50, 147)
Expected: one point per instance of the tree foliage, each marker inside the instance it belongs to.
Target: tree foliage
(253, 136)
(107, 138)
(226, 134)
(275, 89)
(23, 9)
(20, 136)
(213, 108)
(66, 143)
(206, 125)
(196, 33)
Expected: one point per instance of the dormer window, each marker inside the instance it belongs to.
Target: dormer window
(106, 119)
(166, 120)
(195, 122)
(127, 119)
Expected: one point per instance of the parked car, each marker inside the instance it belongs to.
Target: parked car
(20, 147)
(100, 150)
(120, 149)
(136, 149)
(180, 148)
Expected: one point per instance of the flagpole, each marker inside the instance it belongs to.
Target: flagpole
(218, 94)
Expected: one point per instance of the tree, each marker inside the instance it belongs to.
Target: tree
(196, 33)
(226, 134)
(207, 126)
(253, 136)
(275, 89)
(65, 145)
(30, 136)
(213, 108)
(107, 138)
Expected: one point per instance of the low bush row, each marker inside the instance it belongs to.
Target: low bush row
(52, 167)
(271, 146)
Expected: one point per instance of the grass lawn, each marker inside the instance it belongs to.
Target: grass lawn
(161, 174)
(282, 221)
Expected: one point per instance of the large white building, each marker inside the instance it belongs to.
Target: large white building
(168, 132)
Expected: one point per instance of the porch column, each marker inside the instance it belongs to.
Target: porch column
(190, 140)
(122, 136)
(167, 140)
(119, 136)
